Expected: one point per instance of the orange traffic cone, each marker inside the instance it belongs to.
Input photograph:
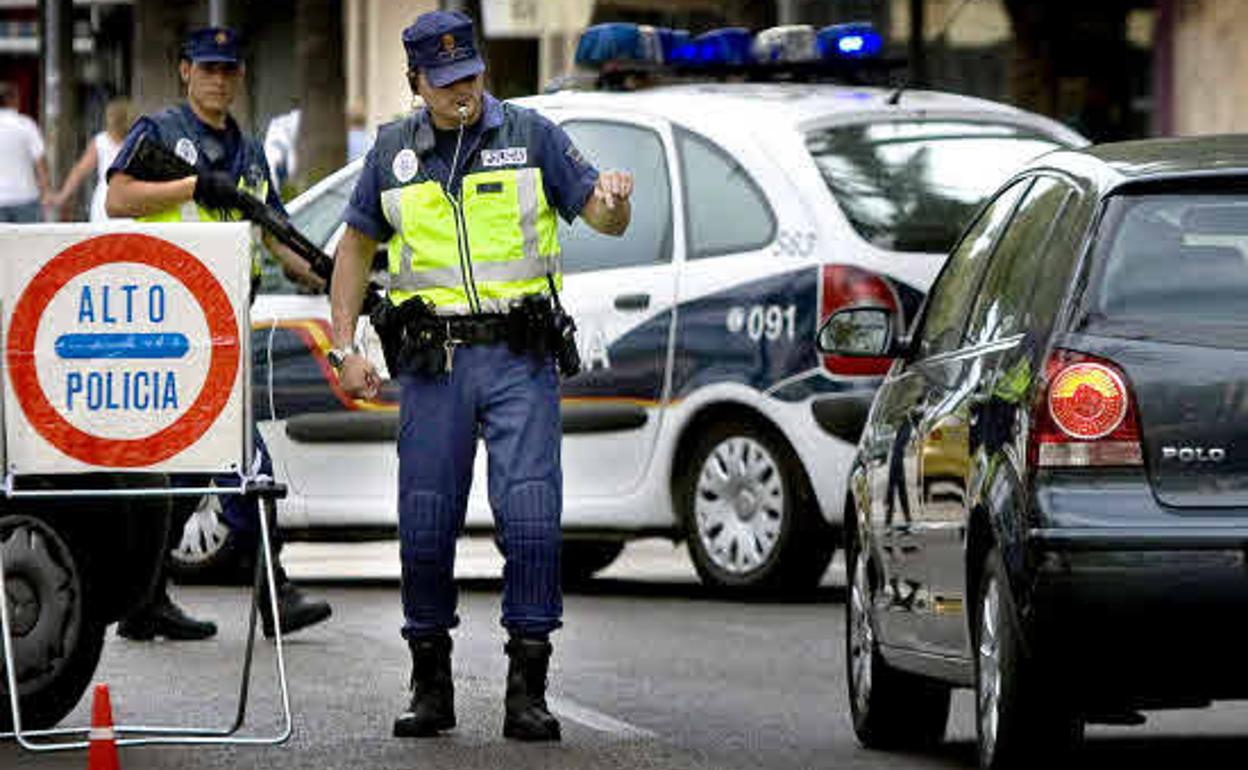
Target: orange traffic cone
(102, 751)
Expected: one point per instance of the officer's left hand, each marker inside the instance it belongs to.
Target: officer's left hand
(613, 186)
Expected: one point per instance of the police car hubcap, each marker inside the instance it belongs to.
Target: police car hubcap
(204, 534)
(739, 505)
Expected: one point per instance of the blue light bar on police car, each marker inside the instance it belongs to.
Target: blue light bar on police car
(604, 43)
(670, 40)
(788, 43)
(731, 46)
(857, 40)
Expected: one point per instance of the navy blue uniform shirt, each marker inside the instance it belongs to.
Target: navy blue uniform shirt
(567, 179)
(208, 141)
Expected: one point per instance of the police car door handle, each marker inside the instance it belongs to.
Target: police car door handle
(632, 302)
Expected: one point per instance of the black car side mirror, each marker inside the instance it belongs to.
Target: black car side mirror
(861, 332)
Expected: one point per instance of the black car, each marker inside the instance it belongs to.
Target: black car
(1049, 501)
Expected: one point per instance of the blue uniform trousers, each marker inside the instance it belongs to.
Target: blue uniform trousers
(512, 402)
(242, 513)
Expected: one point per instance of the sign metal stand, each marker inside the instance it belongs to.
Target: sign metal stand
(145, 246)
(59, 739)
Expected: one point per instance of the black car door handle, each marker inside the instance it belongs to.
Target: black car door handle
(632, 302)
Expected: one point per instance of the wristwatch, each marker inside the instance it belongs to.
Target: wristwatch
(337, 357)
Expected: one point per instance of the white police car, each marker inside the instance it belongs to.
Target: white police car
(705, 411)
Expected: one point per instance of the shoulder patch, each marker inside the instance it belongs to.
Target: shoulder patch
(185, 149)
(576, 156)
(405, 165)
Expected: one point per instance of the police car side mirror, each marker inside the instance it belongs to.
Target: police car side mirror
(860, 332)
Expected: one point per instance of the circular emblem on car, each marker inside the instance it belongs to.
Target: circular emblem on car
(405, 165)
(185, 149)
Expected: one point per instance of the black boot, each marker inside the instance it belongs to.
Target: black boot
(164, 618)
(296, 610)
(432, 708)
(528, 717)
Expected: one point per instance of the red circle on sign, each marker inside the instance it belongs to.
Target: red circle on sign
(222, 366)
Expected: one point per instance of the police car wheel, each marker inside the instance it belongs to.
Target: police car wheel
(206, 552)
(56, 642)
(748, 511)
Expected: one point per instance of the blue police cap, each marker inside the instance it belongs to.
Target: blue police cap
(441, 44)
(212, 44)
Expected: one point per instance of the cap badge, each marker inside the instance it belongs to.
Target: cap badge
(222, 38)
(448, 43)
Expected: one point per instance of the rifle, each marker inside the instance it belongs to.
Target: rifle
(151, 161)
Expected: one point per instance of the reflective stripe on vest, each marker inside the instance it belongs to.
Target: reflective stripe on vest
(190, 211)
(512, 239)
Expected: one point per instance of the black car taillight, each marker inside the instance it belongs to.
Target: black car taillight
(844, 286)
(1086, 415)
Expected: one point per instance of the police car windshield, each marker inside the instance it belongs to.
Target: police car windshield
(913, 185)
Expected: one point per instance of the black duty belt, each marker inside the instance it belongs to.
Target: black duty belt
(484, 329)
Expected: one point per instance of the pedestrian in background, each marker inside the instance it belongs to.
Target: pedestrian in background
(98, 156)
(281, 140)
(23, 166)
(202, 132)
(479, 331)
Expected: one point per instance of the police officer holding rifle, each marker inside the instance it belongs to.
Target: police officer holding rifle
(223, 176)
(465, 192)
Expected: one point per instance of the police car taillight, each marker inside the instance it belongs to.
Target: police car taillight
(844, 286)
(1086, 416)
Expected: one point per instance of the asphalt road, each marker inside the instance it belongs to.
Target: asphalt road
(651, 671)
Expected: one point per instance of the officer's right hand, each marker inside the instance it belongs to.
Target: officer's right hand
(215, 190)
(358, 377)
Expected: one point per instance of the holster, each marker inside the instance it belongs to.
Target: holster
(406, 342)
(538, 328)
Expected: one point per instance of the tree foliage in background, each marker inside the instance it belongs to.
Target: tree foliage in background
(322, 142)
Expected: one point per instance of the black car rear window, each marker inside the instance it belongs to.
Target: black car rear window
(1181, 259)
(913, 185)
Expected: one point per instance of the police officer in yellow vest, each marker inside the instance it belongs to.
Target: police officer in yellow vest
(202, 132)
(465, 192)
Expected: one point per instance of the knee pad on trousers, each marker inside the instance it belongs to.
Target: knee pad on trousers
(531, 542)
(427, 526)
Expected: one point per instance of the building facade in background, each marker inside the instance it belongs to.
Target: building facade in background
(1113, 69)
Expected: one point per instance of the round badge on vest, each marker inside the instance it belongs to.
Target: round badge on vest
(185, 149)
(405, 165)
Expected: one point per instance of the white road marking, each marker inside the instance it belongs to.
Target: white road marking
(596, 720)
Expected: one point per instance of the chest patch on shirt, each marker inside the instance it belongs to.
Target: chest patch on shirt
(405, 165)
(185, 149)
(508, 156)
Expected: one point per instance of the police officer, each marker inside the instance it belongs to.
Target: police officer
(465, 192)
(203, 133)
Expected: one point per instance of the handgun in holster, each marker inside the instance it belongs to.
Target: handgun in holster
(539, 326)
(407, 336)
